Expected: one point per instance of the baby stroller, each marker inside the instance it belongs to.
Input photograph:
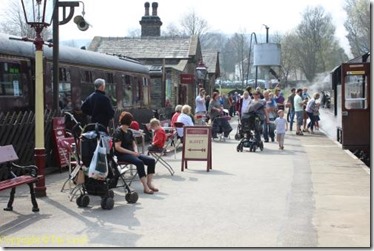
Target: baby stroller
(250, 130)
(88, 141)
(221, 128)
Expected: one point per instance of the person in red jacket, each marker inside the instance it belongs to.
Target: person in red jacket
(159, 137)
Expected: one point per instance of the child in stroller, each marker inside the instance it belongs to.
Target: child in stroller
(88, 140)
(250, 130)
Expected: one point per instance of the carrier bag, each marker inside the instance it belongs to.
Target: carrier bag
(99, 165)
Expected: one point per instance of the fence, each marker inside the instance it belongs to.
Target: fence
(18, 129)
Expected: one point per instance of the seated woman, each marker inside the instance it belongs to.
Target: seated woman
(178, 110)
(184, 118)
(125, 149)
(159, 137)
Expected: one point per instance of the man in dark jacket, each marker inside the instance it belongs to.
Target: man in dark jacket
(97, 105)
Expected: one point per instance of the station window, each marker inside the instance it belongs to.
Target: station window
(356, 88)
(10, 79)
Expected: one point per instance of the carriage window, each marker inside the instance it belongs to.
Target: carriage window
(138, 91)
(109, 78)
(126, 91)
(10, 79)
(110, 90)
(87, 77)
(145, 91)
(355, 89)
(64, 75)
(64, 91)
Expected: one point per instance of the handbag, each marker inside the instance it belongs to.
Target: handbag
(99, 165)
(79, 178)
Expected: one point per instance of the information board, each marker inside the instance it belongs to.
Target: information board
(197, 145)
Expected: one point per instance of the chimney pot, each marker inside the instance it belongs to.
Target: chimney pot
(154, 8)
(146, 6)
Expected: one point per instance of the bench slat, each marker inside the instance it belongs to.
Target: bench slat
(20, 180)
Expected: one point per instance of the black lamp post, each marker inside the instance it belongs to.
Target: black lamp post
(201, 72)
(68, 8)
(38, 14)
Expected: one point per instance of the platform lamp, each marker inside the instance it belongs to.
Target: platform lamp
(38, 14)
(201, 71)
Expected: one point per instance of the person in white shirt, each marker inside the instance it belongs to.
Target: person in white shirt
(200, 107)
(185, 118)
(244, 102)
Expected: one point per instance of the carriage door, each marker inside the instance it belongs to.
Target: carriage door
(355, 105)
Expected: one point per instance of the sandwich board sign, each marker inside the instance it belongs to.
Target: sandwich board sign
(197, 145)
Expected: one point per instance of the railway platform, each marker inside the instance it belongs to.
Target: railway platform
(311, 194)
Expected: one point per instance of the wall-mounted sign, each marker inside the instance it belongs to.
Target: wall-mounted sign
(187, 78)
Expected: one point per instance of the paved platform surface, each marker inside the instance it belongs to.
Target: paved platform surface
(311, 194)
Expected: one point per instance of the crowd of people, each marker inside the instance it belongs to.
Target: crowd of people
(215, 110)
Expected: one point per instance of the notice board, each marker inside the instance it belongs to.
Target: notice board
(61, 150)
(197, 145)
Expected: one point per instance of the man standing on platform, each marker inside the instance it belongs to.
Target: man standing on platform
(98, 106)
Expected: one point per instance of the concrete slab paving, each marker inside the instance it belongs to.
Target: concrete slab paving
(312, 194)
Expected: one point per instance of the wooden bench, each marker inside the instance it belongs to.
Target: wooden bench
(12, 175)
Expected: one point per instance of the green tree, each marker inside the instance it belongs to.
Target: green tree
(358, 25)
(314, 33)
(289, 57)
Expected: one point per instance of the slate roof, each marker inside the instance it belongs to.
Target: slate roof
(210, 59)
(147, 47)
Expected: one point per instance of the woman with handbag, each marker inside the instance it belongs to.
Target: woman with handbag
(125, 148)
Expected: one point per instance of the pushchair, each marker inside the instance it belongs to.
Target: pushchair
(221, 128)
(87, 142)
(250, 130)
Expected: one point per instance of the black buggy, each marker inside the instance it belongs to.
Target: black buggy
(86, 140)
(249, 132)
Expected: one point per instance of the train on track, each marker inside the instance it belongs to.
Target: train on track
(127, 81)
(351, 85)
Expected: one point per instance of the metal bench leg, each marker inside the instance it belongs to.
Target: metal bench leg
(11, 199)
(35, 207)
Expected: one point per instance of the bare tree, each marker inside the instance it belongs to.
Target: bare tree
(172, 30)
(192, 24)
(13, 22)
(358, 25)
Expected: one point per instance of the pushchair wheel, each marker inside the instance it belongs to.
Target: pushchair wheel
(132, 197)
(110, 194)
(83, 200)
(237, 136)
(261, 145)
(107, 203)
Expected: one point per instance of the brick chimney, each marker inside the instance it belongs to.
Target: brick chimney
(151, 25)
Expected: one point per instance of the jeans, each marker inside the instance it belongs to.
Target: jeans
(312, 120)
(292, 117)
(139, 162)
(269, 130)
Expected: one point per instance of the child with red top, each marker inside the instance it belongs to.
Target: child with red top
(159, 137)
